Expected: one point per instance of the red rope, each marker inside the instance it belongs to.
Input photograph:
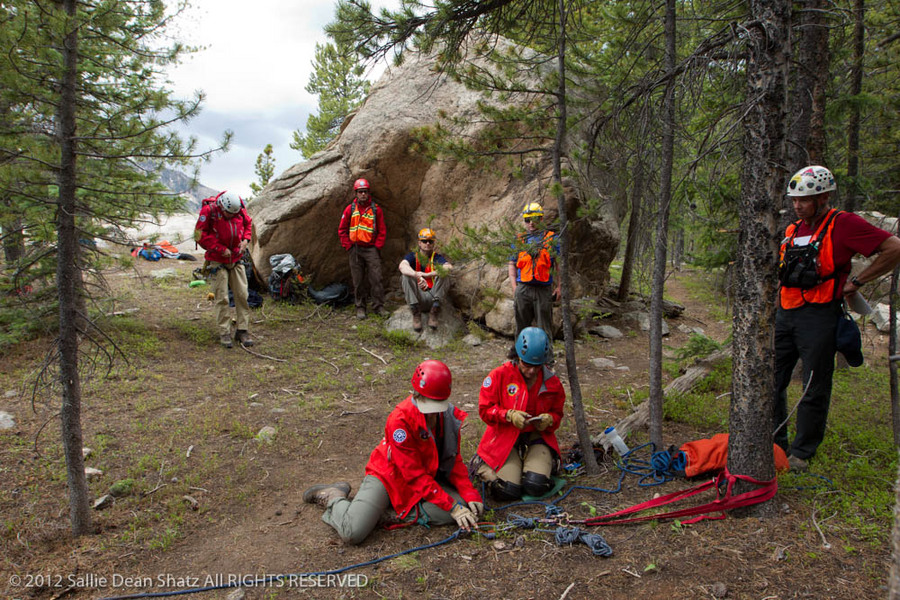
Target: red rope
(724, 502)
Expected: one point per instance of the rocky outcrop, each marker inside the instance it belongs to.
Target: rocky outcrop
(298, 212)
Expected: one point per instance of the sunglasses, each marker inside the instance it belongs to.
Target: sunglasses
(427, 241)
(531, 219)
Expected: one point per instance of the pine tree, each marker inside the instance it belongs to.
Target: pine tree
(265, 169)
(337, 79)
(83, 103)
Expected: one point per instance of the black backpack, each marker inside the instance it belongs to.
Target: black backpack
(287, 286)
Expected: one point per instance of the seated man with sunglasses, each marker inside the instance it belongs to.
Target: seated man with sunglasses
(531, 272)
(424, 281)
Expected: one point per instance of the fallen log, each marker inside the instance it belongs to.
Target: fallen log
(692, 376)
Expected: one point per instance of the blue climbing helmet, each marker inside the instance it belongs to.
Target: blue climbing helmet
(533, 346)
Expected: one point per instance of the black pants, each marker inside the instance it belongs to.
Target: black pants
(806, 334)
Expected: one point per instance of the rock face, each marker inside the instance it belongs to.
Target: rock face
(298, 212)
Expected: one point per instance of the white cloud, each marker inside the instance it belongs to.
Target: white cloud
(255, 62)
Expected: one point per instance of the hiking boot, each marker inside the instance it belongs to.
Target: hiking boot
(417, 317)
(378, 312)
(797, 464)
(360, 313)
(226, 340)
(433, 316)
(243, 338)
(324, 493)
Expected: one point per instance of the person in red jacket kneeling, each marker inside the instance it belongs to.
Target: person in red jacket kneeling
(522, 403)
(416, 469)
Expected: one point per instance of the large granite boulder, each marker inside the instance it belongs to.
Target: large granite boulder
(298, 212)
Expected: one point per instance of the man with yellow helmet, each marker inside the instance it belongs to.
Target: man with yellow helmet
(531, 272)
(424, 282)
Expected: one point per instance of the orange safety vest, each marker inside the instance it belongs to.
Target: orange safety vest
(362, 224)
(429, 281)
(535, 267)
(827, 291)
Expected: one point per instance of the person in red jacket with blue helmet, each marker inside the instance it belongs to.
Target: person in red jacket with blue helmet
(416, 469)
(224, 230)
(522, 404)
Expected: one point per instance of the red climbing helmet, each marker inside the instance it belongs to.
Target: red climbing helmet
(432, 380)
(360, 184)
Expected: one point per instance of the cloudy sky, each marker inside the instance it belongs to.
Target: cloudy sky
(255, 63)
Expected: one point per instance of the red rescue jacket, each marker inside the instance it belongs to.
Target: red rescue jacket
(504, 389)
(407, 460)
(219, 232)
(360, 230)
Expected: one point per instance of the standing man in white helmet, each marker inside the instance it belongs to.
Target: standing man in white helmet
(814, 271)
(531, 272)
(224, 229)
(362, 233)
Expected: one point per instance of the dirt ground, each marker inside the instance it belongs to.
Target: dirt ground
(181, 420)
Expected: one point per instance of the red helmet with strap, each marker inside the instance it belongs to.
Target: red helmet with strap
(432, 379)
(360, 184)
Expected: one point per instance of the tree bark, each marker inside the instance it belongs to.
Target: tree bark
(894, 577)
(852, 199)
(635, 228)
(892, 362)
(806, 138)
(762, 182)
(584, 435)
(662, 234)
(67, 276)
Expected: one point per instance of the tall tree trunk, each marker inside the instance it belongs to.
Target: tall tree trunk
(852, 199)
(806, 138)
(635, 228)
(762, 183)
(662, 233)
(584, 434)
(894, 577)
(892, 359)
(67, 276)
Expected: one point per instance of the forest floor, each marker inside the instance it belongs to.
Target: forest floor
(207, 503)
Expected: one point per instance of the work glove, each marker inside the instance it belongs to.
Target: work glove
(463, 517)
(543, 421)
(477, 508)
(517, 418)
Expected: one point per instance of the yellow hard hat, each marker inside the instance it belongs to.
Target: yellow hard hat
(426, 234)
(532, 209)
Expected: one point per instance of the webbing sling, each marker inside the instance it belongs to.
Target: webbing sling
(723, 502)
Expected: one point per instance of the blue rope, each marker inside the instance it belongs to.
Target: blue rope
(272, 578)
(661, 468)
(566, 536)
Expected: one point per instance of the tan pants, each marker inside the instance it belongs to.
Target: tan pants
(234, 277)
(537, 458)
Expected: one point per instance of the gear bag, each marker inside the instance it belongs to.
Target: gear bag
(286, 284)
(799, 267)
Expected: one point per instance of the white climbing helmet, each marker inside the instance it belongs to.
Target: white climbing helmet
(230, 203)
(810, 181)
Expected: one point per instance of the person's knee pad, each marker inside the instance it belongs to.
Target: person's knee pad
(535, 484)
(505, 491)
